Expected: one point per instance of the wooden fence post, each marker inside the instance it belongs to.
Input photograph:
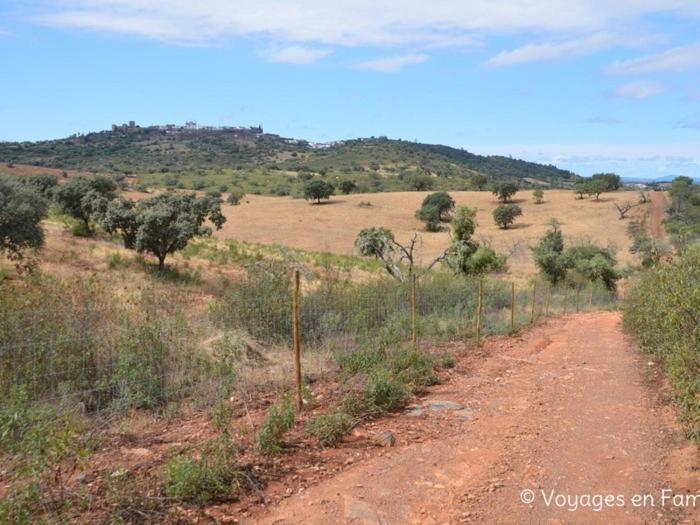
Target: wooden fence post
(478, 311)
(296, 329)
(414, 311)
(566, 298)
(534, 298)
(512, 307)
(548, 300)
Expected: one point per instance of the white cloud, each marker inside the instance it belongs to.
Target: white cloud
(675, 60)
(553, 50)
(393, 64)
(639, 90)
(297, 55)
(351, 22)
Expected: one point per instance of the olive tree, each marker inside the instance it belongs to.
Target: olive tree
(21, 212)
(505, 215)
(538, 195)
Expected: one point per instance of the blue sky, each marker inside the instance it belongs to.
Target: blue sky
(587, 85)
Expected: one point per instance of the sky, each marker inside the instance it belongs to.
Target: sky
(588, 86)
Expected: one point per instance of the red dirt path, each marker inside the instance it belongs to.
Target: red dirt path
(572, 407)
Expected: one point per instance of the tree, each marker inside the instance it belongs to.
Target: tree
(593, 263)
(317, 190)
(21, 212)
(479, 181)
(505, 215)
(596, 187)
(581, 188)
(624, 208)
(235, 197)
(610, 181)
(442, 202)
(381, 244)
(165, 223)
(348, 186)
(420, 182)
(465, 255)
(504, 190)
(120, 217)
(77, 197)
(43, 183)
(586, 260)
(547, 254)
(538, 195)
(430, 215)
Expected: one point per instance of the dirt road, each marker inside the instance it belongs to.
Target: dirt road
(569, 410)
(658, 212)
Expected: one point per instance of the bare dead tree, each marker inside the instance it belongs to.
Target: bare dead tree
(624, 208)
(643, 197)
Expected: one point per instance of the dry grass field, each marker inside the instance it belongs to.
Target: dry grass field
(333, 226)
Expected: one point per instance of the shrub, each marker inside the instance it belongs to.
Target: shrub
(538, 195)
(384, 393)
(329, 429)
(661, 308)
(235, 197)
(269, 437)
(212, 477)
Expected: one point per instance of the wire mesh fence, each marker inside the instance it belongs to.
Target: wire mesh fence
(82, 341)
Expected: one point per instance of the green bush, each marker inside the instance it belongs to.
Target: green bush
(661, 309)
(211, 477)
(329, 429)
(384, 393)
(269, 437)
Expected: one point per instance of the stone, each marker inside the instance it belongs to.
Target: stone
(384, 439)
(465, 413)
(357, 511)
(439, 404)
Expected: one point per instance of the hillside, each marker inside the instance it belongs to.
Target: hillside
(263, 163)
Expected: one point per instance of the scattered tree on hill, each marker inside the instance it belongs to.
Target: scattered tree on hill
(505, 215)
(317, 190)
(547, 254)
(465, 255)
(504, 190)
(596, 187)
(624, 208)
(420, 182)
(610, 181)
(430, 215)
(78, 197)
(348, 186)
(436, 208)
(381, 244)
(235, 197)
(43, 183)
(581, 188)
(119, 216)
(442, 201)
(478, 181)
(584, 260)
(21, 211)
(538, 195)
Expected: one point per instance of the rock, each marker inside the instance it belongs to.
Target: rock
(439, 404)
(414, 412)
(80, 478)
(384, 439)
(465, 413)
(357, 511)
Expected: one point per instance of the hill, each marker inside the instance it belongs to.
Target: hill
(256, 162)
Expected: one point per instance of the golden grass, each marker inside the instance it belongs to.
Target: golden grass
(334, 226)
